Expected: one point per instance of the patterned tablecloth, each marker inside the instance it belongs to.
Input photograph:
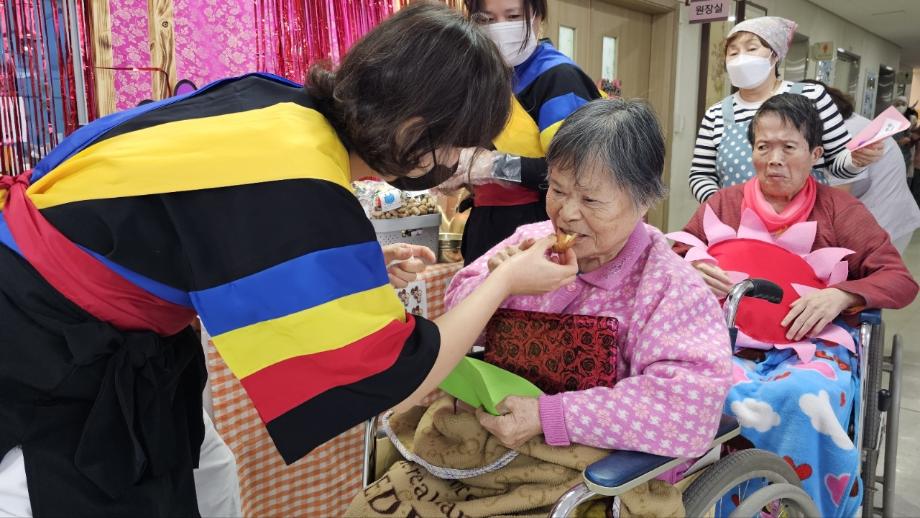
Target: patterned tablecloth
(324, 482)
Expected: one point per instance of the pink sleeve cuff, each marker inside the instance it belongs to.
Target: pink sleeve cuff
(552, 418)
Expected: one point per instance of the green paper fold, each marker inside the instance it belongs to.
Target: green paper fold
(481, 384)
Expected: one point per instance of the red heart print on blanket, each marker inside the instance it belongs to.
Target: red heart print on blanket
(802, 470)
(837, 486)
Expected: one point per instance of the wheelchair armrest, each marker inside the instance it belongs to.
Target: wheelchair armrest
(870, 316)
(621, 471)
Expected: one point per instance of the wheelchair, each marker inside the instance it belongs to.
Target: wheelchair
(876, 418)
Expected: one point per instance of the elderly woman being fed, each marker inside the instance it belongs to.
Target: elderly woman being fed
(605, 166)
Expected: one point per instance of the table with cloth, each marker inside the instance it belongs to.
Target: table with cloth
(325, 481)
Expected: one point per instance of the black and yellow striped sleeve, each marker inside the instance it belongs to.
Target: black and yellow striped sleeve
(236, 202)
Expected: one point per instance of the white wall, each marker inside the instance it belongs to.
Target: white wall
(816, 23)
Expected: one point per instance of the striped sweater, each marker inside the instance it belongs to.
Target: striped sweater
(704, 179)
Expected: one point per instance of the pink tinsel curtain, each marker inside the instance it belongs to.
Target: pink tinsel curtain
(42, 100)
(293, 34)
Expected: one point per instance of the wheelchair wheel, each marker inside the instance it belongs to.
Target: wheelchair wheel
(872, 418)
(794, 500)
(720, 478)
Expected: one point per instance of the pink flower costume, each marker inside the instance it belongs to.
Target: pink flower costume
(798, 401)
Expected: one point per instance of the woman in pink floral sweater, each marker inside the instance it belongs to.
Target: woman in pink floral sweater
(673, 365)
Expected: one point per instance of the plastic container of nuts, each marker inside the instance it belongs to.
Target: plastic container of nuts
(400, 216)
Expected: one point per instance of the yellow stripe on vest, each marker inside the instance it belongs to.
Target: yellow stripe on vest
(521, 136)
(281, 142)
(328, 326)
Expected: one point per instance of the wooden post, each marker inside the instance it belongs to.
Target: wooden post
(102, 57)
(162, 46)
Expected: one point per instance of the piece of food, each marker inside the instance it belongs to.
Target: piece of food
(564, 241)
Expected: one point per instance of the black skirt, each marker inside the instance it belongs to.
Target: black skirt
(109, 421)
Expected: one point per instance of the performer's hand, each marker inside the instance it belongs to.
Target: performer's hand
(504, 255)
(519, 422)
(715, 277)
(405, 262)
(810, 314)
(532, 272)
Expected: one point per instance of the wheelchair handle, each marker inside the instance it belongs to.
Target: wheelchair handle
(756, 288)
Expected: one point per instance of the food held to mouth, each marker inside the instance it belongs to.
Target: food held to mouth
(564, 241)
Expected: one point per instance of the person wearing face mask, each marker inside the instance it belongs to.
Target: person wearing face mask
(722, 156)
(508, 182)
(234, 203)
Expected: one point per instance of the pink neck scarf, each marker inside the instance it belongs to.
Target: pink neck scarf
(796, 211)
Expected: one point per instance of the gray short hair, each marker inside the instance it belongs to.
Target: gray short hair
(616, 136)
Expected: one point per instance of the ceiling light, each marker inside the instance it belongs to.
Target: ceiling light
(732, 18)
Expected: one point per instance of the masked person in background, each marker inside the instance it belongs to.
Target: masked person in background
(509, 182)
(722, 156)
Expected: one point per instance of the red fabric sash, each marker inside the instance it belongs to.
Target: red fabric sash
(557, 353)
(495, 195)
(79, 276)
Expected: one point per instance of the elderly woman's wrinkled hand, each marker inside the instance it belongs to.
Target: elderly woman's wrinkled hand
(715, 277)
(507, 253)
(532, 272)
(405, 262)
(519, 422)
(868, 155)
(811, 313)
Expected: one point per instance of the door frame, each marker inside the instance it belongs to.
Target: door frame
(662, 71)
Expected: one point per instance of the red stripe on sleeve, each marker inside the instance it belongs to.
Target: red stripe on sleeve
(283, 386)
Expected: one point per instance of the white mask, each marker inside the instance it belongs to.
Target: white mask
(748, 71)
(901, 108)
(509, 37)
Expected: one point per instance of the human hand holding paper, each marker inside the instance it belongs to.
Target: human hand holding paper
(481, 384)
(885, 125)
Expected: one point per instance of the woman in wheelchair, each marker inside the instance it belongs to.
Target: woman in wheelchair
(671, 362)
(648, 366)
(794, 382)
(633, 355)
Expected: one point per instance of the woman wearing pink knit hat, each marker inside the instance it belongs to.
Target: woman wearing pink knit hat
(722, 156)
